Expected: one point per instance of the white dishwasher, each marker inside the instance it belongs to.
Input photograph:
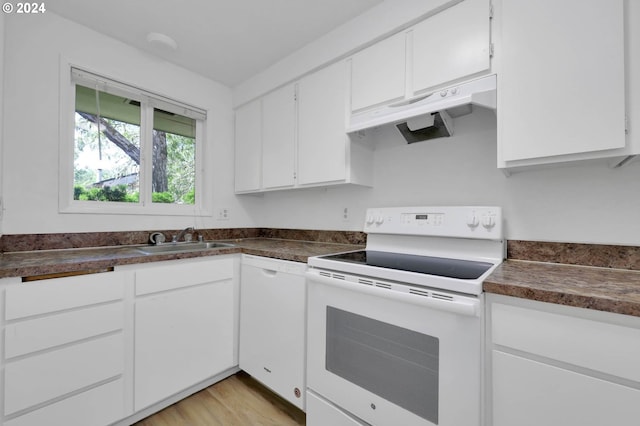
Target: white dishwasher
(273, 325)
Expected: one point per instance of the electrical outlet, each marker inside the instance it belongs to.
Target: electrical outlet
(223, 213)
(345, 214)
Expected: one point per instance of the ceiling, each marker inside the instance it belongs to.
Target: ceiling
(226, 40)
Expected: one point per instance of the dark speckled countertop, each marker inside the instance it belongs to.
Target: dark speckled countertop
(612, 290)
(44, 262)
(600, 277)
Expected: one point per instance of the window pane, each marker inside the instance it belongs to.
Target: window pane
(174, 158)
(107, 147)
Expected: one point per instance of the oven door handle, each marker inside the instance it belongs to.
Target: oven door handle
(460, 306)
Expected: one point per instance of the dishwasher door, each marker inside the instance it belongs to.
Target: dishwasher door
(273, 325)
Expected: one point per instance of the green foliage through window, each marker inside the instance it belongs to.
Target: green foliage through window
(108, 159)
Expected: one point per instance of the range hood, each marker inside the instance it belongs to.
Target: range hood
(428, 116)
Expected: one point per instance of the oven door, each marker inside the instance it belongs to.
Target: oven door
(392, 358)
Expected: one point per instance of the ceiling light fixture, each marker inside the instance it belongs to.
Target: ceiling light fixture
(162, 40)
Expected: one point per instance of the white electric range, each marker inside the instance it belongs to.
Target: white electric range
(395, 330)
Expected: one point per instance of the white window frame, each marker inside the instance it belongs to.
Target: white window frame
(67, 146)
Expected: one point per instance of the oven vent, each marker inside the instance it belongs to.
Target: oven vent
(443, 297)
(383, 285)
(332, 275)
(363, 281)
(419, 292)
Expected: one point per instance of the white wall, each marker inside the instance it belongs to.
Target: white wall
(375, 24)
(35, 45)
(582, 202)
(579, 203)
(1, 110)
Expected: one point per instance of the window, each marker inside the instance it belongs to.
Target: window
(132, 150)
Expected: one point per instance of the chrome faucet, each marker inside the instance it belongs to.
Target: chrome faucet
(182, 233)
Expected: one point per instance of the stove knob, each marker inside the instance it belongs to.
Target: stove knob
(370, 219)
(379, 220)
(472, 220)
(488, 221)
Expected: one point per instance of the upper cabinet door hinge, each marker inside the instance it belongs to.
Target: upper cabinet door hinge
(626, 124)
(491, 50)
(490, 10)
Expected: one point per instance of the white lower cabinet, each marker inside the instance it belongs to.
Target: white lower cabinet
(557, 365)
(64, 351)
(101, 405)
(185, 326)
(113, 347)
(272, 325)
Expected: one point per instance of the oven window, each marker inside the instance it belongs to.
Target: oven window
(394, 363)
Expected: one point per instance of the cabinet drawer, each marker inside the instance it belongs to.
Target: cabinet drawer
(54, 330)
(529, 393)
(321, 413)
(62, 293)
(601, 346)
(182, 274)
(96, 407)
(40, 378)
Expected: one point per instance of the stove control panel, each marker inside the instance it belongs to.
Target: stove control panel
(454, 221)
(422, 219)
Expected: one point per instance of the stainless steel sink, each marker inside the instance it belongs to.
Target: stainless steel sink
(181, 247)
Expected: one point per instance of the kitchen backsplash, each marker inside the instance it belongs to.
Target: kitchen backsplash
(598, 255)
(28, 242)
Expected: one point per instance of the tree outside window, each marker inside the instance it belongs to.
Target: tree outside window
(109, 142)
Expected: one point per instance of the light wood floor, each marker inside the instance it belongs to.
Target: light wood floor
(236, 401)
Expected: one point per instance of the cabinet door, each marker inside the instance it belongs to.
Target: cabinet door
(322, 112)
(451, 45)
(248, 148)
(561, 82)
(272, 330)
(530, 393)
(278, 138)
(378, 73)
(181, 338)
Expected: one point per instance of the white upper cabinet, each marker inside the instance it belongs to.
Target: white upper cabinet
(451, 45)
(248, 147)
(447, 47)
(279, 138)
(561, 79)
(265, 142)
(378, 73)
(322, 141)
(296, 137)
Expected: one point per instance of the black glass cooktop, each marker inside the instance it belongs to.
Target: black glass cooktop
(440, 266)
